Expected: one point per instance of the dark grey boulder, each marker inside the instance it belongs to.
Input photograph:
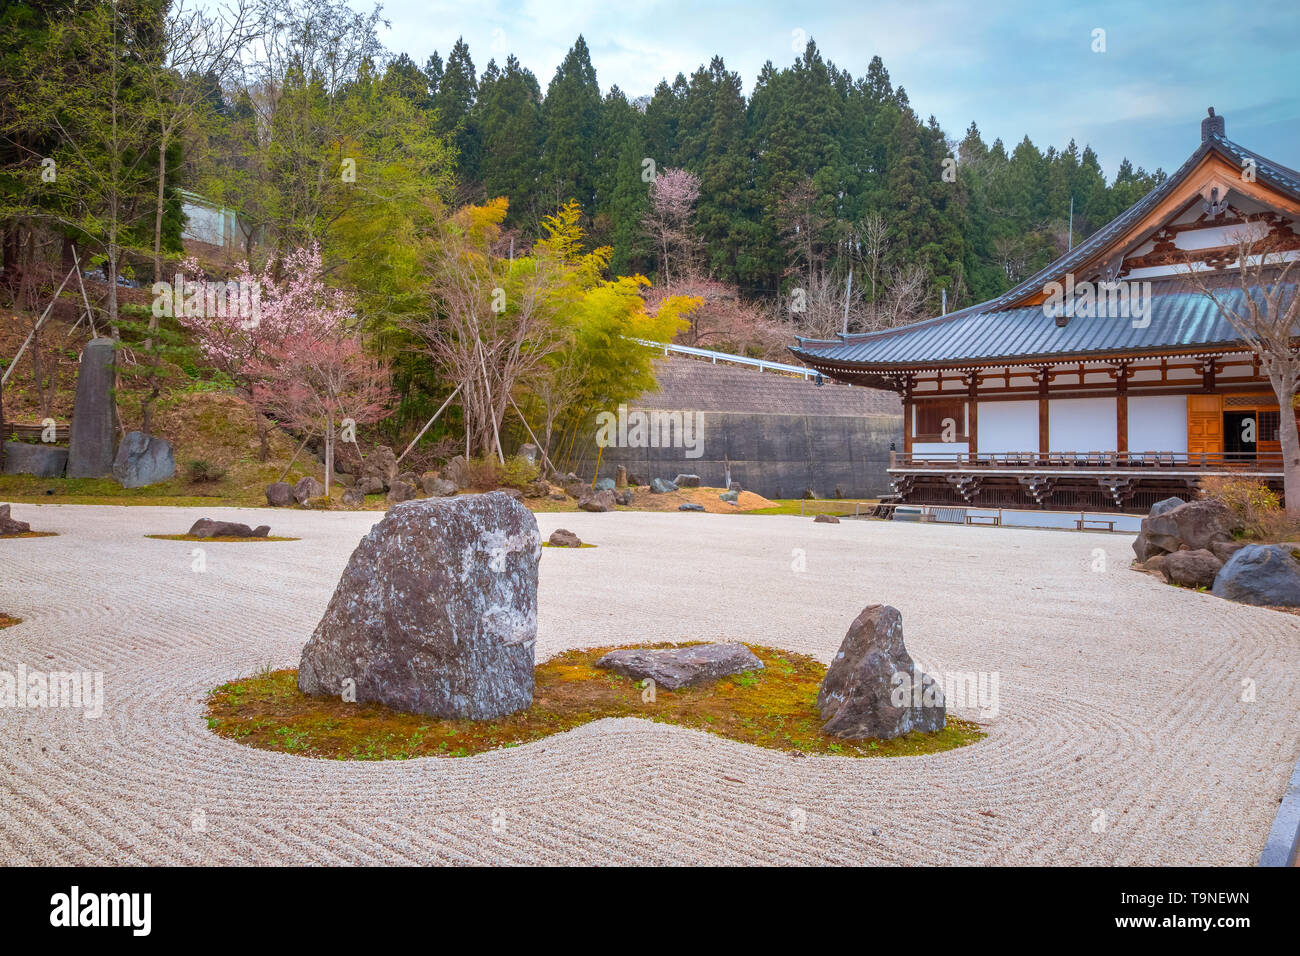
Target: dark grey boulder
(1194, 525)
(44, 461)
(438, 487)
(1263, 574)
(143, 460)
(1223, 550)
(279, 494)
(687, 481)
(623, 497)
(10, 525)
(90, 447)
(207, 528)
(1192, 569)
(400, 491)
(306, 489)
(604, 484)
(371, 485)
(564, 538)
(352, 498)
(436, 611)
(826, 519)
(873, 688)
(690, 506)
(634, 478)
(677, 667)
(598, 501)
(537, 489)
(731, 496)
(659, 486)
(457, 472)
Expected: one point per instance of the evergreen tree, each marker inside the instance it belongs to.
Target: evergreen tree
(570, 121)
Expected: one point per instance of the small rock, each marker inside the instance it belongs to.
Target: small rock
(598, 501)
(400, 491)
(371, 485)
(279, 494)
(687, 481)
(457, 472)
(352, 498)
(1224, 550)
(677, 667)
(826, 519)
(623, 497)
(537, 489)
(563, 538)
(437, 487)
(604, 484)
(731, 496)
(634, 478)
(1195, 569)
(690, 506)
(307, 487)
(658, 486)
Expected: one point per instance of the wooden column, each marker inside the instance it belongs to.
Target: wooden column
(1044, 382)
(907, 414)
(1121, 410)
(972, 415)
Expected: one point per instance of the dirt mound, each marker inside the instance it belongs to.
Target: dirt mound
(708, 497)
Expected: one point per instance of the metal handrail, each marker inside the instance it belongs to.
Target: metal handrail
(728, 357)
(1154, 460)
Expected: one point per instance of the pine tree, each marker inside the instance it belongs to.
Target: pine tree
(570, 128)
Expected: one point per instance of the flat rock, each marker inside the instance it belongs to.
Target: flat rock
(677, 667)
(873, 688)
(436, 611)
(43, 461)
(658, 486)
(730, 496)
(1262, 574)
(826, 519)
(690, 506)
(207, 528)
(687, 481)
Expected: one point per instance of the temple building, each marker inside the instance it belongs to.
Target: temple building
(1108, 380)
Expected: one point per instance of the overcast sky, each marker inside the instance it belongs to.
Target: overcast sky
(1012, 66)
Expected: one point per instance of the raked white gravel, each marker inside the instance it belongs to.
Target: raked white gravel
(1121, 736)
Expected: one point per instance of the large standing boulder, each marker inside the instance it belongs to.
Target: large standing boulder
(873, 688)
(620, 476)
(43, 461)
(1192, 569)
(10, 525)
(673, 668)
(306, 489)
(1263, 574)
(279, 494)
(90, 448)
(436, 612)
(143, 460)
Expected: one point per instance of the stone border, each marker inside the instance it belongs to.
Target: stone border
(1284, 839)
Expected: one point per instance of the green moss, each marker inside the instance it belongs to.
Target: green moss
(775, 707)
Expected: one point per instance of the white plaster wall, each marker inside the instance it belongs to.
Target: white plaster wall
(1007, 427)
(1081, 424)
(1157, 423)
(939, 447)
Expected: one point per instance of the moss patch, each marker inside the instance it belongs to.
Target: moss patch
(7, 621)
(566, 547)
(774, 708)
(31, 534)
(224, 537)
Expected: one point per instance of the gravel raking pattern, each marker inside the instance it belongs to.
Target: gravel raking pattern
(1121, 737)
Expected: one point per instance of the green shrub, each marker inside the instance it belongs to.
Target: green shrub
(487, 473)
(202, 471)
